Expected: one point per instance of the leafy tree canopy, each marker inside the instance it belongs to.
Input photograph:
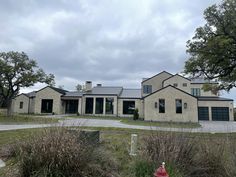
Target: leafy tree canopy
(213, 48)
(18, 71)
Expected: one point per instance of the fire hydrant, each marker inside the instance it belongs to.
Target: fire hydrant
(161, 171)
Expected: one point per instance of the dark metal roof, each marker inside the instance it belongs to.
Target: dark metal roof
(213, 98)
(31, 94)
(144, 80)
(62, 91)
(103, 90)
(131, 93)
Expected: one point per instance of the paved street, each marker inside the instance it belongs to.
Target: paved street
(211, 127)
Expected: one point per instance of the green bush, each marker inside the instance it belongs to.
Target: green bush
(143, 168)
(56, 152)
(136, 115)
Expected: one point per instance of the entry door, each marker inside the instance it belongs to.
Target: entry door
(71, 106)
(220, 113)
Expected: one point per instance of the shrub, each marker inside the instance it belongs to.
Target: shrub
(143, 168)
(187, 157)
(56, 152)
(136, 115)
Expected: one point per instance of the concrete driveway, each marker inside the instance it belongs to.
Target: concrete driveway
(207, 126)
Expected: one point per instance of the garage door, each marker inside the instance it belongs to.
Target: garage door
(220, 113)
(203, 113)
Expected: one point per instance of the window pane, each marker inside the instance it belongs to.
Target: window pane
(99, 106)
(178, 104)
(128, 107)
(161, 106)
(89, 106)
(109, 105)
(147, 89)
(196, 91)
(21, 105)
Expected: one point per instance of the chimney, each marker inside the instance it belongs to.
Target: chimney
(99, 85)
(88, 86)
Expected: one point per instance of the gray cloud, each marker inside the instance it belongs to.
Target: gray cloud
(114, 42)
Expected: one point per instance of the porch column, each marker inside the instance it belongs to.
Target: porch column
(94, 105)
(104, 106)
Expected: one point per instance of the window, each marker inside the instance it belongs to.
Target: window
(99, 106)
(147, 89)
(178, 105)
(128, 107)
(175, 85)
(89, 106)
(109, 105)
(196, 91)
(185, 84)
(161, 106)
(21, 105)
(46, 106)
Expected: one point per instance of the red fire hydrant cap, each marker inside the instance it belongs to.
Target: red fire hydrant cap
(161, 172)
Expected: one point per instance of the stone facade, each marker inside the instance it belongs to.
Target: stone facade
(170, 94)
(48, 93)
(172, 89)
(21, 104)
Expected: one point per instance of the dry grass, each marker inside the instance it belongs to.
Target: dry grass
(56, 152)
(190, 157)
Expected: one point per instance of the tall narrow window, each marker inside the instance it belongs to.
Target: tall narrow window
(89, 106)
(109, 105)
(161, 106)
(21, 105)
(178, 105)
(99, 106)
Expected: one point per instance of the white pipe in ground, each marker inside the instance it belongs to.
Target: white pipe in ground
(2, 164)
(134, 141)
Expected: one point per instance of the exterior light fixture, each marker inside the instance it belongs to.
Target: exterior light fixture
(185, 105)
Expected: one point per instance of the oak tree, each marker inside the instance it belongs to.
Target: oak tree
(17, 71)
(212, 50)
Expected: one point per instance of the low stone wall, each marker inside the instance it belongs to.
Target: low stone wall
(3, 111)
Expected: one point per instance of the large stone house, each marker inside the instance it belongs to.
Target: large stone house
(163, 97)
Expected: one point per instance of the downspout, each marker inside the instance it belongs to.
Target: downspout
(117, 106)
(29, 106)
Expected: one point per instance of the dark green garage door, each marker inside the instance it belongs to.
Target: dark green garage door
(220, 113)
(203, 113)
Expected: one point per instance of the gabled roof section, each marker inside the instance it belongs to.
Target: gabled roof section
(31, 94)
(73, 94)
(175, 76)
(103, 90)
(61, 91)
(172, 87)
(157, 75)
(131, 93)
(24, 94)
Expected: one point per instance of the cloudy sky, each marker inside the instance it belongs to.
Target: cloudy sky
(113, 42)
